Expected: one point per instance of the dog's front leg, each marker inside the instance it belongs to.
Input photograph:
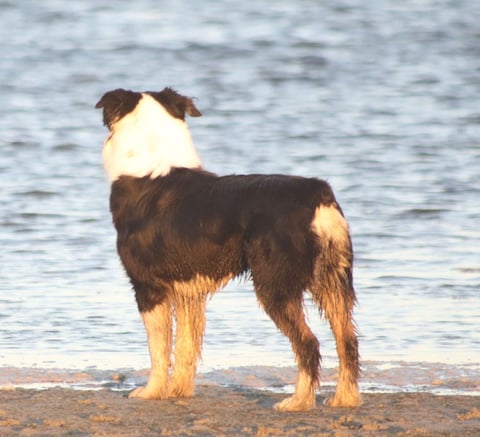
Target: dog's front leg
(158, 325)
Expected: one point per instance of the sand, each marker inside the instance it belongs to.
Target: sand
(227, 411)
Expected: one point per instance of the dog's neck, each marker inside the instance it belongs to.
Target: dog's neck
(148, 142)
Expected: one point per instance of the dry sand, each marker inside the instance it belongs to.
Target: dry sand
(230, 411)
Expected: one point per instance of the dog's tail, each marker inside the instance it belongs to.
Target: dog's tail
(333, 292)
(334, 262)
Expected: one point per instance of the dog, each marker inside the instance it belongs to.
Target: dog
(183, 233)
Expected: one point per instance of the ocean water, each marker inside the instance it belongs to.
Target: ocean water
(379, 98)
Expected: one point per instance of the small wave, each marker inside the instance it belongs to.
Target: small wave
(40, 194)
(422, 213)
(66, 147)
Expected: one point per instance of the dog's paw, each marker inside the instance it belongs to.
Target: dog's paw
(146, 393)
(295, 404)
(140, 393)
(346, 402)
(178, 391)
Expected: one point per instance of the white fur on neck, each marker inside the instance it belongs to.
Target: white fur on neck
(148, 141)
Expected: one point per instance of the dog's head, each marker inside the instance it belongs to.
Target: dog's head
(148, 133)
(118, 103)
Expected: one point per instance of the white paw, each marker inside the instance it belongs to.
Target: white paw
(295, 404)
(351, 401)
(146, 393)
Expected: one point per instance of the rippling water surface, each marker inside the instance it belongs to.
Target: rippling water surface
(379, 98)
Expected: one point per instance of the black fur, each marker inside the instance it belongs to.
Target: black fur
(116, 104)
(176, 104)
(198, 223)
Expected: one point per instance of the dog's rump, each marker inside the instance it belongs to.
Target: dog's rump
(192, 223)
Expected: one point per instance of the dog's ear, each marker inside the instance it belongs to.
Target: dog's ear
(116, 104)
(176, 104)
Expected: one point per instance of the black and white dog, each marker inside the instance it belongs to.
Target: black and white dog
(183, 233)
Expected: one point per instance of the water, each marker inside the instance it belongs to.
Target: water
(379, 98)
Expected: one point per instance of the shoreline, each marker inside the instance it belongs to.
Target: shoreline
(216, 410)
(376, 378)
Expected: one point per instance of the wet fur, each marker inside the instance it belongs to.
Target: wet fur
(183, 233)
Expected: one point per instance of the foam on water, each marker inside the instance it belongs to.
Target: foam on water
(377, 377)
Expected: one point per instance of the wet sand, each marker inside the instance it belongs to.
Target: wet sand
(230, 411)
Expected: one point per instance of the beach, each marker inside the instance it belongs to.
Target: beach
(227, 411)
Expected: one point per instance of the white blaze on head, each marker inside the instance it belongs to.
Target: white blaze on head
(148, 141)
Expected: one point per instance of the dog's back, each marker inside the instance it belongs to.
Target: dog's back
(191, 222)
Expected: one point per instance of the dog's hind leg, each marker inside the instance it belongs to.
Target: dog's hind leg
(347, 393)
(333, 292)
(190, 327)
(158, 325)
(288, 315)
(280, 274)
